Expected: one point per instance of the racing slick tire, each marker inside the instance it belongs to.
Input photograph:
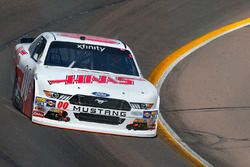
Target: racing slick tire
(16, 96)
(24, 107)
(27, 108)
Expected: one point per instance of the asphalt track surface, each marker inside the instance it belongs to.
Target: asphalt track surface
(209, 99)
(153, 29)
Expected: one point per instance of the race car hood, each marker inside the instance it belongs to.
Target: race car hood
(77, 81)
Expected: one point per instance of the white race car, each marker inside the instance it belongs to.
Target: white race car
(86, 83)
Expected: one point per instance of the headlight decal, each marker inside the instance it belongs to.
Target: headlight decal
(144, 106)
(55, 95)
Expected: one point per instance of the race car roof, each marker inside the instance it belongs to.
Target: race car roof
(96, 40)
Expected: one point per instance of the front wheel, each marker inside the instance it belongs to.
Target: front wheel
(16, 96)
(29, 102)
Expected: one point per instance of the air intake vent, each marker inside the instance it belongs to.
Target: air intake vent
(99, 118)
(100, 102)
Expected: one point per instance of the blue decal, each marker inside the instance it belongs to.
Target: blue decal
(146, 114)
(100, 94)
(150, 114)
(50, 103)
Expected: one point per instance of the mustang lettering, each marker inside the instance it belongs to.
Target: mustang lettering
(99, 111)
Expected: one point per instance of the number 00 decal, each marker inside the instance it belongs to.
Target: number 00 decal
(63, 105)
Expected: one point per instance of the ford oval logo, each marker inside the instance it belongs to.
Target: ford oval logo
(100, 94)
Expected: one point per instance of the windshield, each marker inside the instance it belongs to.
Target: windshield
(92, 57)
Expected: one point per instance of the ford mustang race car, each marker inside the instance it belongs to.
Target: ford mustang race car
(83, 82)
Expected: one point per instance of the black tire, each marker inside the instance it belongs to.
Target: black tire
(16, 97)
(32, 101)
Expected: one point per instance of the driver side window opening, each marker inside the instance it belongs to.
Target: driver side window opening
(37, 47)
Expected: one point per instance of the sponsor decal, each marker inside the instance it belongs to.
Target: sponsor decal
(140, 121)
(38, 114)
(57, 111)
(100, 94)
(146, 114)
(138, 124)
(40, 101)
(50, 103)
(136, 113)
(62, 104)
(39, 108)
(90, 47)
(89, 79)
(99, 111)
(149, 114)
(142, 124)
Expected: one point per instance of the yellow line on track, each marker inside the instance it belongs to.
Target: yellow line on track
(159, 70)
(170, 140)
(166, 63)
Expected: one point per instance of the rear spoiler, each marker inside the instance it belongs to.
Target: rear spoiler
(27, 40)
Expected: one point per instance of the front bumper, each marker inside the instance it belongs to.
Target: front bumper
(94, 127)
(54, 113)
